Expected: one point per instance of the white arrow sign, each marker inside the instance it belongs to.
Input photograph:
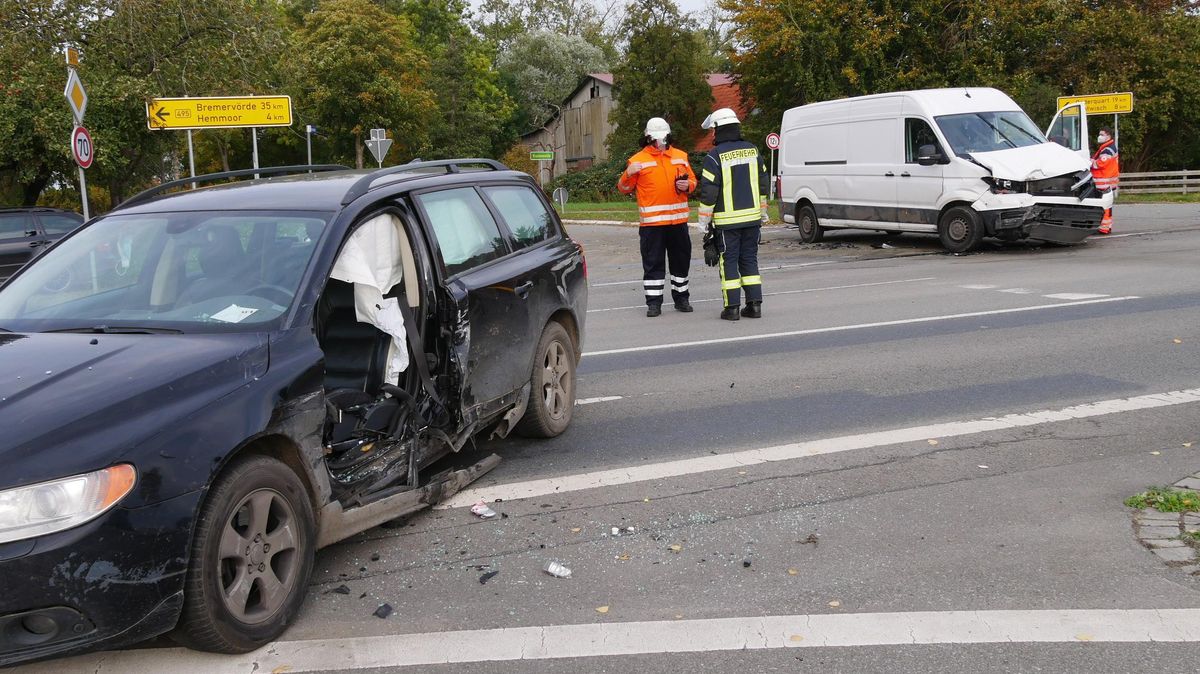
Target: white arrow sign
(379, 144)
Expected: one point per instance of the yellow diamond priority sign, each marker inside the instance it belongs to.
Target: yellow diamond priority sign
(212, 112)
(76, 96)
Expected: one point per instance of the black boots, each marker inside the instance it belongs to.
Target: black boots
(653, 310)
(730, 314)
(684, 306)
(752, 310)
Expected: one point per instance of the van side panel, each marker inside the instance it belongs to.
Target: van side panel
(812, 156)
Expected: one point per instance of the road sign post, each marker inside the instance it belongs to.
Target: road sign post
(254, 146)
(379, 144)
(773, 145)
(218, 112)
(541, 156)
(1114, 104)
(77, 98)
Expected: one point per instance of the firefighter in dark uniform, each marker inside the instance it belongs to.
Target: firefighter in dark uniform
(733, 200)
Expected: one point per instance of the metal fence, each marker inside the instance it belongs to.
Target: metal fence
(1161, 182)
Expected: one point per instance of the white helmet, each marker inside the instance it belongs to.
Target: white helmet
(657, 128)
(720, 118)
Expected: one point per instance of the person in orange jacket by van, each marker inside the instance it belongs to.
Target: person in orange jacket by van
(663, 179)
(1106, 172)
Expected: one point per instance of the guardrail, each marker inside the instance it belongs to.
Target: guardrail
(1161, 182)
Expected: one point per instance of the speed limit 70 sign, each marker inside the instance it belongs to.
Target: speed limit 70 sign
(82, 148)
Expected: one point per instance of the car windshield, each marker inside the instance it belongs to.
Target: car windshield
(170, 272)
(989, 131)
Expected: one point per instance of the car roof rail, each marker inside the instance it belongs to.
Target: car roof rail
(450, 165)
(147, 194)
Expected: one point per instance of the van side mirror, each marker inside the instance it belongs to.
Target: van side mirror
(928, 155)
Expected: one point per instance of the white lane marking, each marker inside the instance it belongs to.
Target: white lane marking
(976, 286)
(703, 464)
(784, 292)
(1017, 291)
(771, 268)
(1121, 236)
(1074, 296)
(601, 399)
(592, 640)
(859, 326)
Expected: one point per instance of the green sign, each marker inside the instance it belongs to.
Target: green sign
(541, 156)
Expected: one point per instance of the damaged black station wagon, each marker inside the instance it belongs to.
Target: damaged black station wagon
(263, 368)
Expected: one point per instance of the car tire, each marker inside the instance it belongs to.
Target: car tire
(806, 221)
(552, 385)
(960, 229)
(239, 592)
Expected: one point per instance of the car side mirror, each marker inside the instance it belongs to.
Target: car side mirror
(928, 155)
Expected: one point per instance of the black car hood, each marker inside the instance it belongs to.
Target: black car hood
(71, 403)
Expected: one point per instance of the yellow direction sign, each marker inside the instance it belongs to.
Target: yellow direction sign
(1101, 104)
(218, 112)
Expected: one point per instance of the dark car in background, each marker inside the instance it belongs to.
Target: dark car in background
(24, 232)
(277, 366)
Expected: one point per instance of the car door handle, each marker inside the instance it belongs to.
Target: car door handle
(35, 244)
(906, 174)
(522, 290)
(889, 174)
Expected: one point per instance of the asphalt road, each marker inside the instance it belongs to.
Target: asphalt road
(801, 485)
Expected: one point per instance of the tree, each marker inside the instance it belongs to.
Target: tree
(354, 67)
(596, 21)
(543, 68)
(474, 107)
(662, 75)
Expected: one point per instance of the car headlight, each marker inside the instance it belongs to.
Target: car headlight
(40, 509)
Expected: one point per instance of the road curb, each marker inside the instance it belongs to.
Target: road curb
(1161, 533)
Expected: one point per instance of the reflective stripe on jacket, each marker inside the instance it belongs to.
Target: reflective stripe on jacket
(734, 184)
(1106, 169)
(659, 203)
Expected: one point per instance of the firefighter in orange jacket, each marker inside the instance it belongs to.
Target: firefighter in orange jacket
(1106, 172)
(662, 178)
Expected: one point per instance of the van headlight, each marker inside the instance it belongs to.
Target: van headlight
(40, 509)
(1002, 186)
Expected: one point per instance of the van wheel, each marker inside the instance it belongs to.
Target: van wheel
(960, 229)
(806, 221)
(552, 385)
(252, 557)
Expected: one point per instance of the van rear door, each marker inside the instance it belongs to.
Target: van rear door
(1069, 128)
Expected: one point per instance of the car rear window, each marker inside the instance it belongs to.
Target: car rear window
(467, 235)
(526, 216)
(15, 226)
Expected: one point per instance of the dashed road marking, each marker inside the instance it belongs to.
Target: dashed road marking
(1074, 296)
(601, 399)
(713, 462)
(781, 292)
(859, 326)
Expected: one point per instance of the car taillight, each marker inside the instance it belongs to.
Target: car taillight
(583, 258)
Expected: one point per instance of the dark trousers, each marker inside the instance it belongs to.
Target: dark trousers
(660, 243)
(739, 264)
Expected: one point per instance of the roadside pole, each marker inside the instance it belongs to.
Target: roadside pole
(77, 98)
(191, 158)
(308, 131)
(541, 157)
(254, 136)
(773, 145)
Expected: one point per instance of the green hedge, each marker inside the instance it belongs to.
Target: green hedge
(599, 182)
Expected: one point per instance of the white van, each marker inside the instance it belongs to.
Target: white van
(962, 163)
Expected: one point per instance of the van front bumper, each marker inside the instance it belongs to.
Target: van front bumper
(1020, 216)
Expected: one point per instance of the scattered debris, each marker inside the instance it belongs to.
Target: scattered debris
(503, 516)
(745, 563)
(576, 530)
(623, 558)
(933, 442)
(834, 604)
(812, 538)
(1083, 637)
(362, 596)
(793, 572)
(340, 589)
(488, 576)
(796, 637)
(1187, 444)
(982, 466)
(383, 611)
(630, 530)
(732, 384)
(675, 548)
(1178, 341)
(1155, 453)
(558, 570)
(482, 510)
(616, 531)
(601, 609)
(375, 557)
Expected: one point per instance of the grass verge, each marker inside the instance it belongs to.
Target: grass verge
(1189, 198)
(1166, 499)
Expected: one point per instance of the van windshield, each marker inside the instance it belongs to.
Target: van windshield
(178, 272)
(989, 131)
